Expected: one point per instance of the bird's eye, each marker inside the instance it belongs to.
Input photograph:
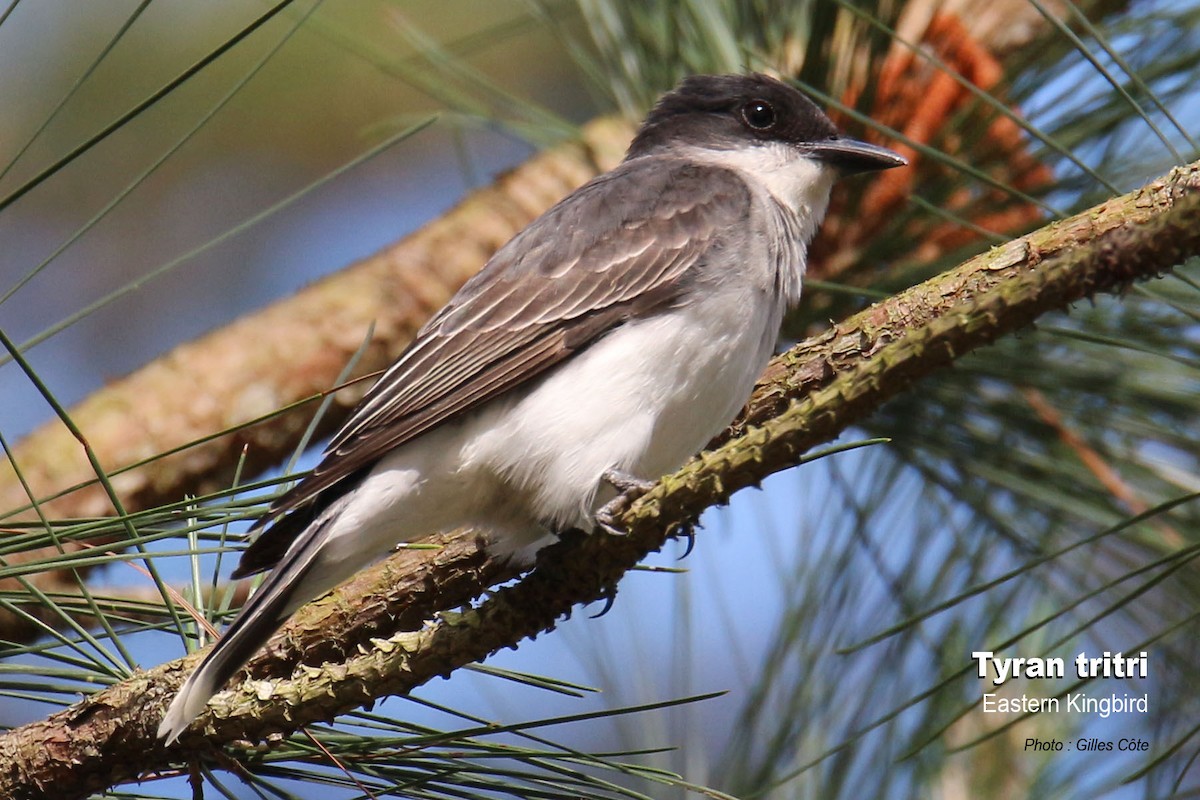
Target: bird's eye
(759, 115)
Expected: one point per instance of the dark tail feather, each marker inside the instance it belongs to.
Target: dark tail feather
(266, 611)
(272, 544)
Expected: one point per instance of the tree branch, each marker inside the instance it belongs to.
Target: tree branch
(175, 404)
(810, 395)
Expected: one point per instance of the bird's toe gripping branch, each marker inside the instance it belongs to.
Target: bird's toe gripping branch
(630, 487)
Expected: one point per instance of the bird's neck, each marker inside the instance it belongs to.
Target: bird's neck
(798, 184)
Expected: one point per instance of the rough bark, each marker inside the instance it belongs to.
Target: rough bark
(812, 394)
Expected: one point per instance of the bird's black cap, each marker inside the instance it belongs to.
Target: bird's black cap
(723, 111)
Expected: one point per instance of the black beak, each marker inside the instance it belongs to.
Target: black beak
(852, 156)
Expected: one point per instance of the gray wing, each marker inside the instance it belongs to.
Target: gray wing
(619, 247)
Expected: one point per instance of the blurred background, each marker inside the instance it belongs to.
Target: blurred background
(1013, 113)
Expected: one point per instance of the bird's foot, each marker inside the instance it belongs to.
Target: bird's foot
(630, 487)
(606, 515)
(624, 482)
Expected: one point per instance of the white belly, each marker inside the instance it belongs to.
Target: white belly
(641, 400)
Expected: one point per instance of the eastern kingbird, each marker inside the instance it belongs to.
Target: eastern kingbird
(601, 347)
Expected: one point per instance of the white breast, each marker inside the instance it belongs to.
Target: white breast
(641, 400)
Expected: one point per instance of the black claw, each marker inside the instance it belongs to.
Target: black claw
(689, 533)
(609, 593)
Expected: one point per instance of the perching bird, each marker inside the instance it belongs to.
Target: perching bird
(604, 345)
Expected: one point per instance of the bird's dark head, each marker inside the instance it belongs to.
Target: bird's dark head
(730, 112)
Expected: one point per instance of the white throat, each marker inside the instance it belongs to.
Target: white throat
(797, 183)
